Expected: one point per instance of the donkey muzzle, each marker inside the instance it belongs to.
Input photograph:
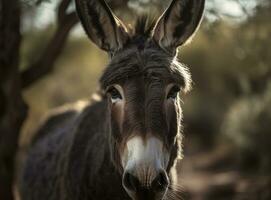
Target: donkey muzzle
(144, 166)
(138, 190)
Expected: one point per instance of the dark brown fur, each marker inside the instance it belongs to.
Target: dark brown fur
(76, 155)
(73, 161)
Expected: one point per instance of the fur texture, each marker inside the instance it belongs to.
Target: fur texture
(76, 153)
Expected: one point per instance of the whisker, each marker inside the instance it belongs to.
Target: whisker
(173, 196)
(175, 192)
(178, 187)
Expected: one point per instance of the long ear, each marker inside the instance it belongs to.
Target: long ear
(178, 23)
(101, 25)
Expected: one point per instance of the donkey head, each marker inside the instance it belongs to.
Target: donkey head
(143, 82)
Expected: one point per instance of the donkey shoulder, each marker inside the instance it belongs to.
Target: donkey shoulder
(59, 117)
(49, 151)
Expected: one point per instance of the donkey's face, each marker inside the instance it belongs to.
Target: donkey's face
(142, 83)
(142, 87)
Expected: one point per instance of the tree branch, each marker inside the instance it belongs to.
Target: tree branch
(12, 107)
(45, 63)
(117, 3)
(62, 9)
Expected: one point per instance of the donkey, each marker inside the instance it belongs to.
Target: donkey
(125, 144)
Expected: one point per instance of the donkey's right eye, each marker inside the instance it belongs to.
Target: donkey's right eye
(114, 94)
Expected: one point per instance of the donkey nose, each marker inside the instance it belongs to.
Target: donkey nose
(160, 182)
(131, 182)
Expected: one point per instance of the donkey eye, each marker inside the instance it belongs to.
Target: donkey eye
(172, 94)
(114, 94)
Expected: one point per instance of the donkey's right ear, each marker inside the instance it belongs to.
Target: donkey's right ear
(101, 25)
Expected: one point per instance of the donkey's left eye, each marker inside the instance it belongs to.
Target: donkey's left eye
(114, 94)
(172, 94)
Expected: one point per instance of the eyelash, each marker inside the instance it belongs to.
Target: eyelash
(173, 92)
(114, 94)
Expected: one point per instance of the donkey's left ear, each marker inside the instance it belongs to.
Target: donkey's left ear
(178, 23)
(101, 25)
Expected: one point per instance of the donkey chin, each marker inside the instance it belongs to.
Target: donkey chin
(144, 161)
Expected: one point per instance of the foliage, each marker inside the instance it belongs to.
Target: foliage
(247, 123)
(247, 126)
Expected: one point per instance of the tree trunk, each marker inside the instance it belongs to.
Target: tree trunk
(12, 107)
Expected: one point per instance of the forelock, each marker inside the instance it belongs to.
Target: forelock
(142, 54)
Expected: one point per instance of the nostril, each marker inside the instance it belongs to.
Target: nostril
(130, 182)
(161, 181)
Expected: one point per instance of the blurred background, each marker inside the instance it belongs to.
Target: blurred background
(227, 116)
